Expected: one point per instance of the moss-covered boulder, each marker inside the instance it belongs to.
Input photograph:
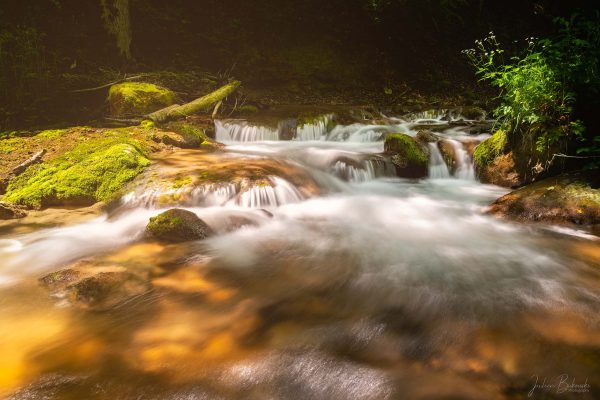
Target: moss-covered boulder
(94, 170)
(136, 98)
(572, 198)
(490, 148)
(494, 164)
(409, 158)
(177, 225)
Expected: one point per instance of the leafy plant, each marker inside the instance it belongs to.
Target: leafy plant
(541, 84)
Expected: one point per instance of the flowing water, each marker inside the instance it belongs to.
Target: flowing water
(328, 278)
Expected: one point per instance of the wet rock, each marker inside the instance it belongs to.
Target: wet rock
(572, 198)
(448, 154)
(409, 158)
(185, 136)
(493, 164)
(89, 285)
(177, 225)
(473, 113)
(501, 171)
(9, 211)
(426, 136)
(136, 98)
(287, 129)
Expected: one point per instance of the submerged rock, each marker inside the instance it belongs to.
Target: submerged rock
(177, 225)
(572, 198)
(407, 156)
(9, 211)
(136, 98)
(95, 287)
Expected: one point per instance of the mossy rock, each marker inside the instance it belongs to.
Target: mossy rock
(135, 98)
(10, 211)
(409, 158)
(177, 225)
(572, 198)
(490, 148)
(95, 170)
(188, 136)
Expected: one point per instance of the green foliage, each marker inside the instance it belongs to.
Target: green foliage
(542, 84)
(490, 148)
(95, 170)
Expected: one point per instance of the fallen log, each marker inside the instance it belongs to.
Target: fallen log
(201, 104)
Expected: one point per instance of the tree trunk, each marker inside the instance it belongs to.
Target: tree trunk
(200, 104)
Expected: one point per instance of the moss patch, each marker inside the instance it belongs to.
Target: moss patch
(407, 155)
(95, 170)
(133, 98)
(490, 148)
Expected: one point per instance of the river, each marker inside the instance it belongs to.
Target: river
(342, 281)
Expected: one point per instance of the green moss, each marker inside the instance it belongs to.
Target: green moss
(490, 148)
(7, 146)
(95, 170)
(52, 133)
(133, 98)
(248, 108)
(147, 124)
(181, 181)
(190, 133)
(407, 147)
(163, 224)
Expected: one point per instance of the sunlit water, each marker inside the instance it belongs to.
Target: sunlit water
(374, 287)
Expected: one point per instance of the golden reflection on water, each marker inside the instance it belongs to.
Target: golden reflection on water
(195, 325)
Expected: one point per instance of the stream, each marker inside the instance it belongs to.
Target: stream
(338, 281)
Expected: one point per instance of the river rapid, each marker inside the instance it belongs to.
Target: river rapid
(342, 281)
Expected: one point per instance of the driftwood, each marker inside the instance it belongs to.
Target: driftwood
(131, 78)
(19, 169)
(201, 104)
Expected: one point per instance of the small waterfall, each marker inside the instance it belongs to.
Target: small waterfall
(360, 133)
(241, 131)
(367, 171)
(315, 130)
(464, 164)
(213, 195)
(278, 193)
(437, 166)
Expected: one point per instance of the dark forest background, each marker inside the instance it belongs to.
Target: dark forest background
(299, 51)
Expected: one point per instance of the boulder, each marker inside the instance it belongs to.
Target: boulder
(136, 98)
(494, 164)
(572, 198)
(501, 171)
(407, 155)
(177, 225)
(9, 211)
(449, 155)
(426, 136)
